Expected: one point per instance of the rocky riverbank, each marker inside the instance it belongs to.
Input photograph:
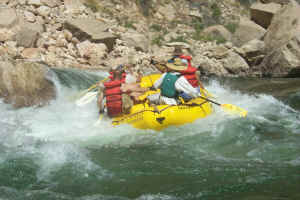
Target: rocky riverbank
(226, 38)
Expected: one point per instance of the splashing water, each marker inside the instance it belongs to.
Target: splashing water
(56, 152)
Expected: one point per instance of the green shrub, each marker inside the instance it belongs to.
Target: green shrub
(156, 27)
(158, 40)
(178, 39)
(216, 11)
(198, 25)
(129, 24)
(92, 4)
(231, 27)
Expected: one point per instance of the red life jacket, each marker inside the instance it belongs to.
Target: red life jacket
(188, 58)
(190, 72)
(113, 96)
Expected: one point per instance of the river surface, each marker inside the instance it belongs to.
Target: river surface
(56, 152)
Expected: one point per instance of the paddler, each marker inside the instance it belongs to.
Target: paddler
(172, 83)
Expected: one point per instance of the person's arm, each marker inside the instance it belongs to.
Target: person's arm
(101, 98)
(158, 82)
(199, 81)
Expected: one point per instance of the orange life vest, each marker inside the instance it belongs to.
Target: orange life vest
(113, 96)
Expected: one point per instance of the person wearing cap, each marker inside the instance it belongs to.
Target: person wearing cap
(110, 91)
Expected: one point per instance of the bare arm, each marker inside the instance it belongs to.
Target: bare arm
(199, 81)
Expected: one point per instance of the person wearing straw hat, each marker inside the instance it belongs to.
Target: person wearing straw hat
(171, 83)
(191, 74)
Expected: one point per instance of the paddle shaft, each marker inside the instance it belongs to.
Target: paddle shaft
(210, 101)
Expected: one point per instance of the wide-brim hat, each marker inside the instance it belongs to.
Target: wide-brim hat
(177, 65)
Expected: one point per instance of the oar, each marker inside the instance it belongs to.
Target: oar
(99, 120)
(87, 96)
(84, 92)
(229, 108)
(90, 96)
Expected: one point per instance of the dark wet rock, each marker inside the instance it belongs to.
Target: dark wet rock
(252, 52)
(25, 84)
(262, 14)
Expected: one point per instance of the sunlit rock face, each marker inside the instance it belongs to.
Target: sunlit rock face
(24, 84)
(282, 43)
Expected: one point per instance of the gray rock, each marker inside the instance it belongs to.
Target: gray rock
(218, 31)
(247, 31)
(6, 34)
(29, 16)
(25, 84)
(4, 2)
(26, 37)
(8, 18)
(252, 52)
(284, 61)
(235, 64)
(44, 11)
(282, 45)
(285, 25)
(34, 2)
(93, 30)
(136, 40)
(74, 6)
(51, 3)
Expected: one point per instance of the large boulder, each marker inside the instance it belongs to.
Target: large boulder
(235, 64)
(25, 84)
(262, 14)
(285, 25)
(8, 18)
(218, 31)
(166, 12)
(247, 31)
(282, 43)
(284, 61)
(252, 52)
(74, 6)
(136, 40)
(26, 37)
(91, 51)
(91, 29)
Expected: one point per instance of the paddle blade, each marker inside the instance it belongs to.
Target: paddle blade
(97, 123)
(232, 109)
(87, 98)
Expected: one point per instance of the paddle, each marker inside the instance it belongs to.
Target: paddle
(87, 96)
(229, 108)
(99, 119)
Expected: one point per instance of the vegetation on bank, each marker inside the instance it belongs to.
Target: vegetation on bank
(210, 10)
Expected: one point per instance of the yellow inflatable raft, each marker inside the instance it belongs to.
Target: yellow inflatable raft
(144, 116)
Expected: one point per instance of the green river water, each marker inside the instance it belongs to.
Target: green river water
(56, 152)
